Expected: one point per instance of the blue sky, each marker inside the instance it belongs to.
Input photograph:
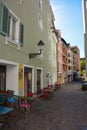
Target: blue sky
(69, 19)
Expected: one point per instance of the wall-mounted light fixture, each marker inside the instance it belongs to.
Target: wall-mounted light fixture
(40, 46)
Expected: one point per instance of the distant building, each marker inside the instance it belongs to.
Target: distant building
(65, 60)
(76, 59)
(68, 60)
(59, 59)
(70, 64)
(85, 29)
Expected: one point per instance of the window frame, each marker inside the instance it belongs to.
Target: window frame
(17, 22)
(6, 26)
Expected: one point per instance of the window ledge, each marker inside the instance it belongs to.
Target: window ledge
(13, 42)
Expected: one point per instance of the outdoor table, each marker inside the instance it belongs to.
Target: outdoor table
(11, 102)
(5, 111)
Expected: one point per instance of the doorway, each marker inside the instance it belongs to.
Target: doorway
(27, 81)
(2, 77)
(38, 81)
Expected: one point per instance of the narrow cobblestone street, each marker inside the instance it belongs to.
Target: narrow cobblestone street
(66, 110)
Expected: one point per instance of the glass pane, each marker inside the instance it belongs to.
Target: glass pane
(21, 34)
(9, 23)
(13, 29)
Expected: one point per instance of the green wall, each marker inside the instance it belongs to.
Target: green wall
(28, 14)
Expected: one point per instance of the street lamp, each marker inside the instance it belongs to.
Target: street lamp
(40, 46)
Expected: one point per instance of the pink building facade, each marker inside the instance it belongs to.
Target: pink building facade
(60, 59)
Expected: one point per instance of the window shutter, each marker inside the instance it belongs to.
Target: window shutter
(21, 38)
(3, 19)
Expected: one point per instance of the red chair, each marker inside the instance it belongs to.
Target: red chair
(45, 96)
(30, 94)
(24, 105)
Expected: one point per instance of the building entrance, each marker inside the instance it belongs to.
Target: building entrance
(2, 77)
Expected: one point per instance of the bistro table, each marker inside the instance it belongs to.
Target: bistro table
(11, 102)
(5, 111)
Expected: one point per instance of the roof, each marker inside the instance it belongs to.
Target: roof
(67, 44)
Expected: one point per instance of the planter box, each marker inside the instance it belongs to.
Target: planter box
(84, 86)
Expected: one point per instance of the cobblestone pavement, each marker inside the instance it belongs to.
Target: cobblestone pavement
(65, 110)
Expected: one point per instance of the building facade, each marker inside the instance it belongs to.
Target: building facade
(59, 59)
(68, 60)
(65, 60)
(76, 60)
(22, 25)
(84, 2)
(70, 64)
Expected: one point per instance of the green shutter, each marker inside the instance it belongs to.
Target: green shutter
(21, 38)
(3, 19)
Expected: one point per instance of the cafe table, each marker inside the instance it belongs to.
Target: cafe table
(4, 111)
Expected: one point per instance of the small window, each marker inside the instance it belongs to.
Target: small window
(69, 61)
(40, 22)
(69, 68)
(49, 20)
(40, 4)
(21, 1)
(10, 25)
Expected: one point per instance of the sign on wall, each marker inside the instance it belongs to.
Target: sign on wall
(21, 75)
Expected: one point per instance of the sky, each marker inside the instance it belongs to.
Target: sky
(69, 19)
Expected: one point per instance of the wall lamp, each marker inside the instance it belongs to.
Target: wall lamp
(40, 46)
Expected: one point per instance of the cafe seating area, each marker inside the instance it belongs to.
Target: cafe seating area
(10, 103)
(47, 92)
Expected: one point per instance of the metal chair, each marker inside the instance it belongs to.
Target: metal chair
(24, 105)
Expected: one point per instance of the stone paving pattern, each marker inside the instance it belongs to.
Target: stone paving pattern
(65, 110)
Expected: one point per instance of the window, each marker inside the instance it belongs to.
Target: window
(68, 54)
(49, 20)
(21, 1)
(40, 22)
(69, 61)
(69, 68)
(40, 4)
(10, 25)
(12, 28)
